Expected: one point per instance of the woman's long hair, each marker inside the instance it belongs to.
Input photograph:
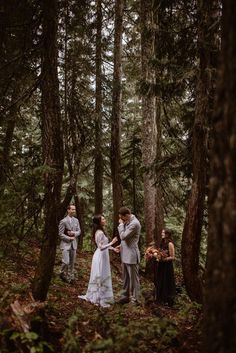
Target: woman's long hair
(168, 237)
(97, 225)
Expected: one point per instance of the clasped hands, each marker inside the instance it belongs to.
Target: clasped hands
(71, 234)
(117, 248)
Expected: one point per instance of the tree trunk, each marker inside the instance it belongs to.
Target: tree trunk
(80, 205)
(219, 307)
(134, 176)
(5, 155)
(159, 213)
(52, 149)
(149, 129)
(191, 238)
(98, 168)
(117, 191)
(75, 141)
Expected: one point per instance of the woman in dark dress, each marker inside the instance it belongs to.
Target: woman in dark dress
(164, 276)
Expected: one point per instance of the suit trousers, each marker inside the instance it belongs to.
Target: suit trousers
(131, 285)
(68, 263)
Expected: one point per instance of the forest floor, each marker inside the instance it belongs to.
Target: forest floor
(72, 325)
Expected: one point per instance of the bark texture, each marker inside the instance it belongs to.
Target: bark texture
(191, 238)
(151, 116)
(52, 149)
(98, 169)
(117, 191)
(220, 295)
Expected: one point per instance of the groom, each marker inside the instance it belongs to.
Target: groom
(69, 230)
(129, 231)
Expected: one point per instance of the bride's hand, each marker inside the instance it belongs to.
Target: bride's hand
(114, 240)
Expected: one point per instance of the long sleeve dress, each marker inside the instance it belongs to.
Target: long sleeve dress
(99, 290)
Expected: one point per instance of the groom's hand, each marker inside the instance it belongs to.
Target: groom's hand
(117, 249)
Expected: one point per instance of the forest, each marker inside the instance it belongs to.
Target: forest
(106, 104)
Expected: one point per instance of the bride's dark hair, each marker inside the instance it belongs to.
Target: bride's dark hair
(97, 224)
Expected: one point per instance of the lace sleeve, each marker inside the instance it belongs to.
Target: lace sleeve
(100, 239)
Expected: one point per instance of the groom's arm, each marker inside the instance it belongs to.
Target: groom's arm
(78, 230)
(127, 233)
(63, 236)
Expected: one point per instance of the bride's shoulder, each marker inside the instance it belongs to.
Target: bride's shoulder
(99, 233)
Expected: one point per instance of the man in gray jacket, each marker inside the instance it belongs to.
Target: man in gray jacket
(129, 231)
(69, 230)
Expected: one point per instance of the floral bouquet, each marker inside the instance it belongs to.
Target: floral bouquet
(156, 253)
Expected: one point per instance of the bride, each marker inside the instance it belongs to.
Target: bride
(99, 290)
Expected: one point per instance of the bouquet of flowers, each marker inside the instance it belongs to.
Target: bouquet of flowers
(156, 253)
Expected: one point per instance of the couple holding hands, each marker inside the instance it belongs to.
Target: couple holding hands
(99, 289)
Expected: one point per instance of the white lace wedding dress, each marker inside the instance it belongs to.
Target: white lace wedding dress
(100, 285)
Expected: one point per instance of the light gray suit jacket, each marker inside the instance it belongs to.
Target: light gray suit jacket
(66, 242)
(129, 235)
